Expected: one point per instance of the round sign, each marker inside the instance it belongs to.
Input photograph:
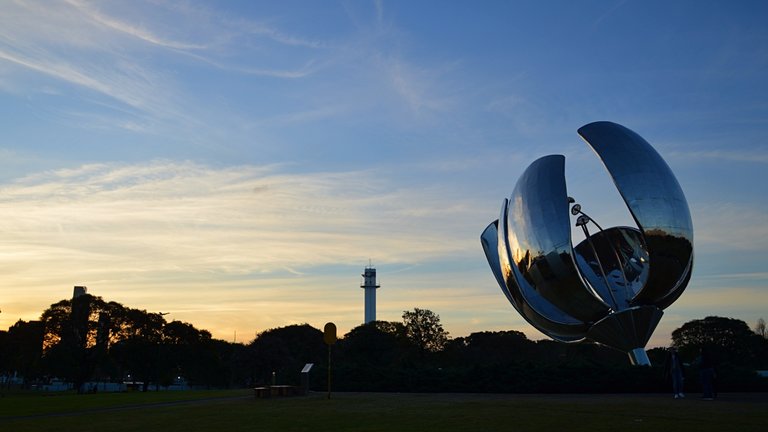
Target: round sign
(329, 334)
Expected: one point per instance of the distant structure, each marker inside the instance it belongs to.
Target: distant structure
(370, 286)
(79, 291)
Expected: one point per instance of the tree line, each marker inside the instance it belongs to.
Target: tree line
(88, 339)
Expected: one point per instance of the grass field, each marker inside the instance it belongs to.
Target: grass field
(239, 411)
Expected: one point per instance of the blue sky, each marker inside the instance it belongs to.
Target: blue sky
(238, 163)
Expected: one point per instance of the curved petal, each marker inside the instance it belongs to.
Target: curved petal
(539, 237)
(552, 322)
(489, 240)
(657, 203)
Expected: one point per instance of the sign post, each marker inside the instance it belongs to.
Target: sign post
(329, 337)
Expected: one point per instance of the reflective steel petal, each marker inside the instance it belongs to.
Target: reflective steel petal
(546, 317)
(540, 243)
(657, 203)
(489, 240)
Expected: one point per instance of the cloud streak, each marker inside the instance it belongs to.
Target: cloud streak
(725, 226)
(138, 32)
(736, 155)
(87, 46)
(173, 226)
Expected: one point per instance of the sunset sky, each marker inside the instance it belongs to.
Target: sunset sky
(236, 164)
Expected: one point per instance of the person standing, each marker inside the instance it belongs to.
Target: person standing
(673, 368)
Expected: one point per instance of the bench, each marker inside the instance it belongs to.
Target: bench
(274, 391)
(282, 390)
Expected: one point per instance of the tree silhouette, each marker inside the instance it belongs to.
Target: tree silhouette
(75, 337)
(88, 339)
(730, 340)
(423, 329)
(760, 328)
(285, 351)
(21, 349)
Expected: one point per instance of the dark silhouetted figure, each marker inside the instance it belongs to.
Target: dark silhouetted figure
(673, 370)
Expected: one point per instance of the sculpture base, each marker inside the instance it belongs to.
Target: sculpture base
(638, 357)
(628, 331)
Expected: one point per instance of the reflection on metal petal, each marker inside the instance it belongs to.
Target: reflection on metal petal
(545, 317)
(615, 264)
(489, 240)
(613, 286)
(656, 201)
(542, 252)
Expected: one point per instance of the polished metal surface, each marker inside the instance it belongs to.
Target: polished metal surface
(612, 287)
(489, 240)
(639, 357)
(626, 329)
(615, 264)
(556, 325)
(657, 203)
(542, 252)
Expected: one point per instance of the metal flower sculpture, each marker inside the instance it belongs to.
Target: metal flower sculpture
(613, 286)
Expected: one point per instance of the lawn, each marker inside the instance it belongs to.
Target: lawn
(238, 411)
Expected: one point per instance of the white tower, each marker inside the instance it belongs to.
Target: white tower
(369, 285)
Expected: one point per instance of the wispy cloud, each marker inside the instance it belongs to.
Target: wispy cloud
(124, 82)
(116, 66)
(416, 86)
(525, 115)
(608, 12)
(278, 36)
(172, 225)
(297, 117)
(379, 4)
(752, 276)
(117, 59)
(141, 33)
(307, 69)
(735, 155)
(724, 226)
(66, 72)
